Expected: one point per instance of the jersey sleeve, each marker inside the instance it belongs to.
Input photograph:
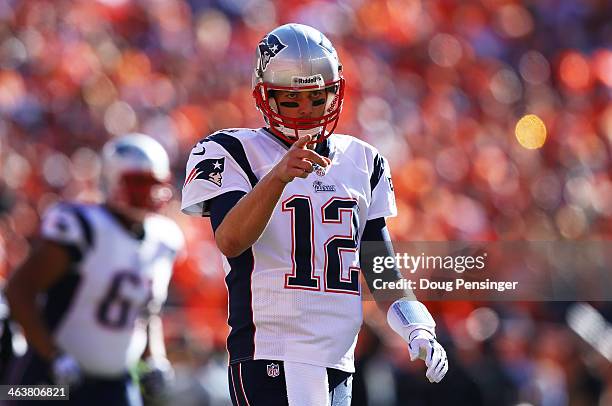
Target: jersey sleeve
(159, 291)
(66, 225)
(174, 237)
(173, 240)
(214, 168)
(381, 186)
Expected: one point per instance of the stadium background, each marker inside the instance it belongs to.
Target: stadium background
(437, 86)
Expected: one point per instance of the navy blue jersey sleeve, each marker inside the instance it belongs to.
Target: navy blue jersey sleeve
(376, 232)
(221, 205)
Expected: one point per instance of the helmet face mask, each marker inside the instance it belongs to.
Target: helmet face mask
(136, 173)
(290, 128)
(296, 57)
(142, 191)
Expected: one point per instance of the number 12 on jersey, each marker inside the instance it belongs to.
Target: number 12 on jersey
(303, 250)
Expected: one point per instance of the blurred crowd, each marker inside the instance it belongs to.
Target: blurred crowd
(436, 86)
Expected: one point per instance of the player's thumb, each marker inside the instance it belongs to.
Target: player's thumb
(302, 141)
(413, 349)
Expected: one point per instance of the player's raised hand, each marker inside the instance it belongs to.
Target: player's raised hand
(298, 161)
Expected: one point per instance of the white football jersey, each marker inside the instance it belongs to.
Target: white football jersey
(295, 294)
(97, 311)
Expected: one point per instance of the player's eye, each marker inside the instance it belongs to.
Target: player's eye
(290, 100)
(317, 98)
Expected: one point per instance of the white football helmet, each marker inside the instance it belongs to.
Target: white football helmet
(136, 172)
(296, 57)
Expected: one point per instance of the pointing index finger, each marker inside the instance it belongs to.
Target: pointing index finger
(302, 141)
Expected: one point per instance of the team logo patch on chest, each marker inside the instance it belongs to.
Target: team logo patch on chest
(273, 370)
(210, 170)
(322, 187)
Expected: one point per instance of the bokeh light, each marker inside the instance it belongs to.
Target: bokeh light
(575, 71)
(482, 323)
(534, 67)
(445, 50)
(514, 20)
(530, 131)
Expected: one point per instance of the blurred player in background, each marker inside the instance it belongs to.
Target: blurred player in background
(101, 273)
(290, 205)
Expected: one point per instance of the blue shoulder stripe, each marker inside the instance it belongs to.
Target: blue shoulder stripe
(87, 230)
(234, 147)
(377, 172)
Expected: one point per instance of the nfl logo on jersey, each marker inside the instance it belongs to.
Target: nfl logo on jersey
(319, 170)
(273, 370)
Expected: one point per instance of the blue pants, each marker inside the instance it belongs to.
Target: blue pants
(262, 383)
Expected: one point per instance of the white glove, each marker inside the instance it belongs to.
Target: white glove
(424, 345)
(65, 370)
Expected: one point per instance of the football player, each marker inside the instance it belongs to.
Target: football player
(290, 204)
(88, 295)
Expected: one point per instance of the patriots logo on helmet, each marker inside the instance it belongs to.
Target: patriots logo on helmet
(269, 47)
(130, 150)
(210, 170)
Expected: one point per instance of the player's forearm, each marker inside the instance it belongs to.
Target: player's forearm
(376, 243)
(156, 347)
(247, 220)
(383, 297)
(22, 302)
